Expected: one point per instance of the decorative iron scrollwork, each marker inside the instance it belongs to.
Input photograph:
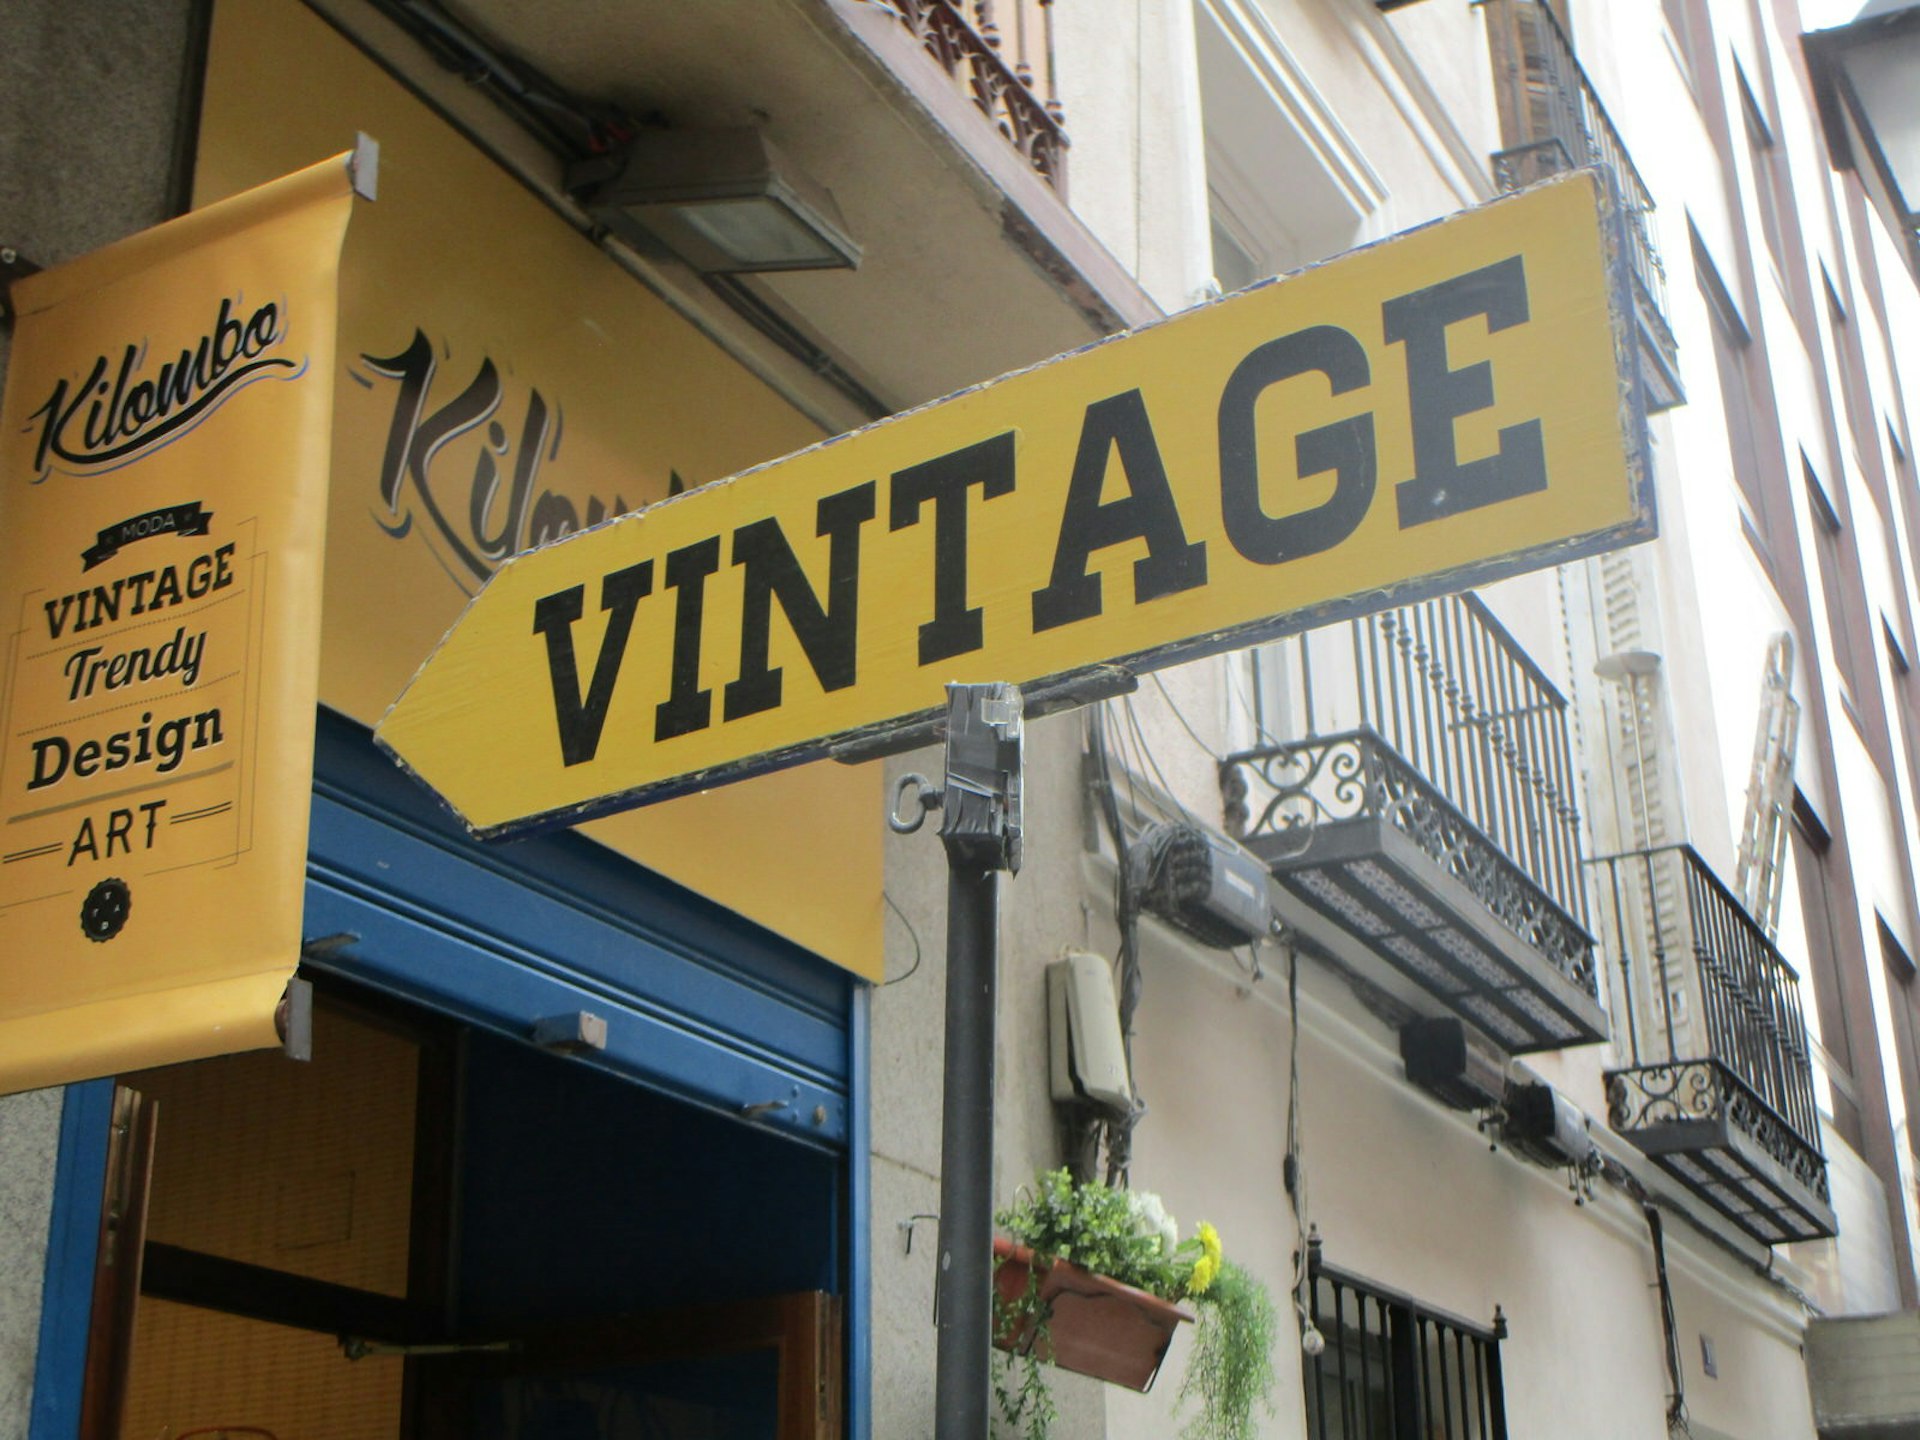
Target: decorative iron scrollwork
(1005, 93)
(1700, 1090)
(1332, 778)
(1662, 1095)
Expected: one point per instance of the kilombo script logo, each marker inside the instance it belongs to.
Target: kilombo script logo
(103, 423)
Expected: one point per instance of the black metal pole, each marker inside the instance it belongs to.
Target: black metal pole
(980, 827)
(966, 1156)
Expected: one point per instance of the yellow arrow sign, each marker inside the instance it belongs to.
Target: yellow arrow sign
(1438, 410)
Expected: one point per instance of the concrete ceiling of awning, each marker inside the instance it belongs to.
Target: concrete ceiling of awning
(942, 298)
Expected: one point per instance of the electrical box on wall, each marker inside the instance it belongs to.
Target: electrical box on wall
(1452, 1060)
(1545, 1125)
(1199, 881)
(1086, 1057)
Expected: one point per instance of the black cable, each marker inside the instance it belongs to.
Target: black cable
(1146, 756)
(1669, 1325)
(576, 127)
(1119, 1130)
(1185, 724)
(912, 934)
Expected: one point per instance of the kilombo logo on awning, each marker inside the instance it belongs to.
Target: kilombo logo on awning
(101, 423)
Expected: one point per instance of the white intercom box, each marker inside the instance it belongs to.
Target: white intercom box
(1087, 1059)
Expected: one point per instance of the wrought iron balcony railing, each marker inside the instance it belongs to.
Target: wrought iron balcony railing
(999, 54)
(1552, 120)
(1437, 823)
(1720, 1089)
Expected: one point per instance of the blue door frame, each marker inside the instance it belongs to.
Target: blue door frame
(700, 1004)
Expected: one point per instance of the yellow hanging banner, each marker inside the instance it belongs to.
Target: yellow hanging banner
(163, 471)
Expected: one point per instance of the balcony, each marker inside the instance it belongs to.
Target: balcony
(1000, 58)
(1552, 120)
(1720, 1090)
(1433, 823)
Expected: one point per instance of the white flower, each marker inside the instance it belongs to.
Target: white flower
(1150, 1218)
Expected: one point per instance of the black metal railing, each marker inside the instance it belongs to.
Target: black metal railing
(1552, 120)
(1284, 792)
(1710, 990)
(1393, 1367)
(999, 54)
(1444, 727)
(1448, 687)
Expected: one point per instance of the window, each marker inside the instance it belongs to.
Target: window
(1856, 395)
(1394, 1368)
(1286, 184)
(1690, 42)
(1731, 341)
(1901, 495)
(1903, 999)
(1234, 267)
(1811, 843)
(1896, 652)
(1769, 177)
(1827, 539)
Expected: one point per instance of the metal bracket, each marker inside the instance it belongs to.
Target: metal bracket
(293, 1019)
(1050, 696)
(906, 1226)
(575, 1033)
(325, 947)
(13, 266)
(364, 166)
(980, 812)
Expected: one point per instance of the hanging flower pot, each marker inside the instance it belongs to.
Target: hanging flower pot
(1093, 1325)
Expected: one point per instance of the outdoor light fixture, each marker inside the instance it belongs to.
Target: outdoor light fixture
(725, 201)
(1864, 82)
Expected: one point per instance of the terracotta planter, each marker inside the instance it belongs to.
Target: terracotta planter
(1098, 1326)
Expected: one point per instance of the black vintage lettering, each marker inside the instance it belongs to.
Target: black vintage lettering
(164, 746)
(829, 634)
(687, 707)
(956, 627)
(580, 720)
(138, 593)
(1345, 447)
(1442, 483)
(1117, 424)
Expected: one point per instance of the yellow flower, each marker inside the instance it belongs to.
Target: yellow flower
(1207, 1268)
(1201, 1280)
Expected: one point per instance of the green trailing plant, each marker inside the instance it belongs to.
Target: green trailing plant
(1231, 1368)
(1128, 1236)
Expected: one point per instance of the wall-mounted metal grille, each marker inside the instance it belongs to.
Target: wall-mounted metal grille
(1395, 1370)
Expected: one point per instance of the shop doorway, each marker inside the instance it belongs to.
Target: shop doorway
(429, 1231)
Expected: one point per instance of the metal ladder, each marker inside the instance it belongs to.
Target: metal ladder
(1763, 835)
